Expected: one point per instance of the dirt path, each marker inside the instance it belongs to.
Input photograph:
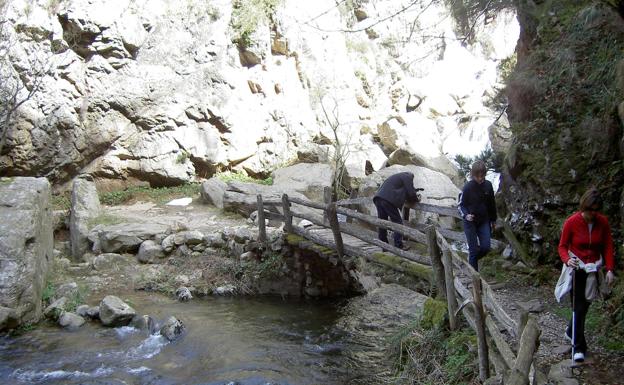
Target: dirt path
(601, 366)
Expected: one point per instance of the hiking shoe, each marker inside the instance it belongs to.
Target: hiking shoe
(579, 357)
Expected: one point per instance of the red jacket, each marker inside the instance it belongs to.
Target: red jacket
(588, 247)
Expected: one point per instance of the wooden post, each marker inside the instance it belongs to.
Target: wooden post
(451, 298)
(436, 262)
(335, 227)
(522, 321)
(484, 360)
(261, 221)
(528, 345)
(287, 215)
(327, 199)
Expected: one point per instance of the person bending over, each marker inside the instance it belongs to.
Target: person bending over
(390, 198)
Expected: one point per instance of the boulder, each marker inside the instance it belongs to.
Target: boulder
(70, 320)
(150, 252)
(115, 312)
(183, 294)
(85, 206)
(308, 179)
(212, 192)
(108, 261)
(56, 308)
(143, 322)
(26, 247)
(124, 237)
(172, 328)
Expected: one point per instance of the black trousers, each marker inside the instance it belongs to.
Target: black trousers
(387, 210)
(580, 306)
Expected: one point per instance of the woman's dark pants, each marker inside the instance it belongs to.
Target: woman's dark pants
(580, 306)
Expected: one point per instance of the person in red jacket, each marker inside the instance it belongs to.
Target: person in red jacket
(585, 246)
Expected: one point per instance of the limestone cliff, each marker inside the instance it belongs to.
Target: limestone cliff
(165, 92)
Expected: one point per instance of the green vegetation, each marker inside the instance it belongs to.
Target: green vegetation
(104, 219)
(493, 161)
(159, 195)
(467, 14)
(448, 358)
(61, 201)
(248, 15)
(183, 156)
(48, 292)
(227, 176)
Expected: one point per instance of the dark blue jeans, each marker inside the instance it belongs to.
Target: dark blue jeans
(385, 209)
(478, 237)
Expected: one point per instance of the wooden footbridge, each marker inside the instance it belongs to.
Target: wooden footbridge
(347, 232)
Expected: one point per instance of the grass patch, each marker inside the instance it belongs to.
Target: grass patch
(48, 292)
(61, 202)
(158, 195)
(428, 354)
(104, 219)
(227, 176)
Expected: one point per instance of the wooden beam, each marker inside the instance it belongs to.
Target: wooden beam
(519, 375)
(442, 210)
(484, 360)
(436, 262)
(335, 228)
(261, 222)
(288, 226)
(408, 232)
(451, 299)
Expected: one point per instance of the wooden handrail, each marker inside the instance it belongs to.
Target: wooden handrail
(484, 312)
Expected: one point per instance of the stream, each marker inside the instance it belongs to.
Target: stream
(233, 341)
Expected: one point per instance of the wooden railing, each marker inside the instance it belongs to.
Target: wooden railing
(454, 279)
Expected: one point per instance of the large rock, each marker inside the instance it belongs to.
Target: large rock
(308, 179)
(85, 206)
(124, 237)
(115, 312)
(212, 191)
(26, 248)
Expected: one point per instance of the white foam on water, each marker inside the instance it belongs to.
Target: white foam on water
(150, 347)
(124, 331)
(139, 370)
(33, 376)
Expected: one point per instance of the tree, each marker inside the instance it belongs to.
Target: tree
(15, 90)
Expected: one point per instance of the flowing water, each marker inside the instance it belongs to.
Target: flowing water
(228, 341)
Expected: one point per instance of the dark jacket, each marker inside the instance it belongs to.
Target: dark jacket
(478, 199)
(397, 189)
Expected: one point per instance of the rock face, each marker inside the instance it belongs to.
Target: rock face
(85, 206)
(567, 134)
(26, 248)
(115, 312)
(155, 91)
